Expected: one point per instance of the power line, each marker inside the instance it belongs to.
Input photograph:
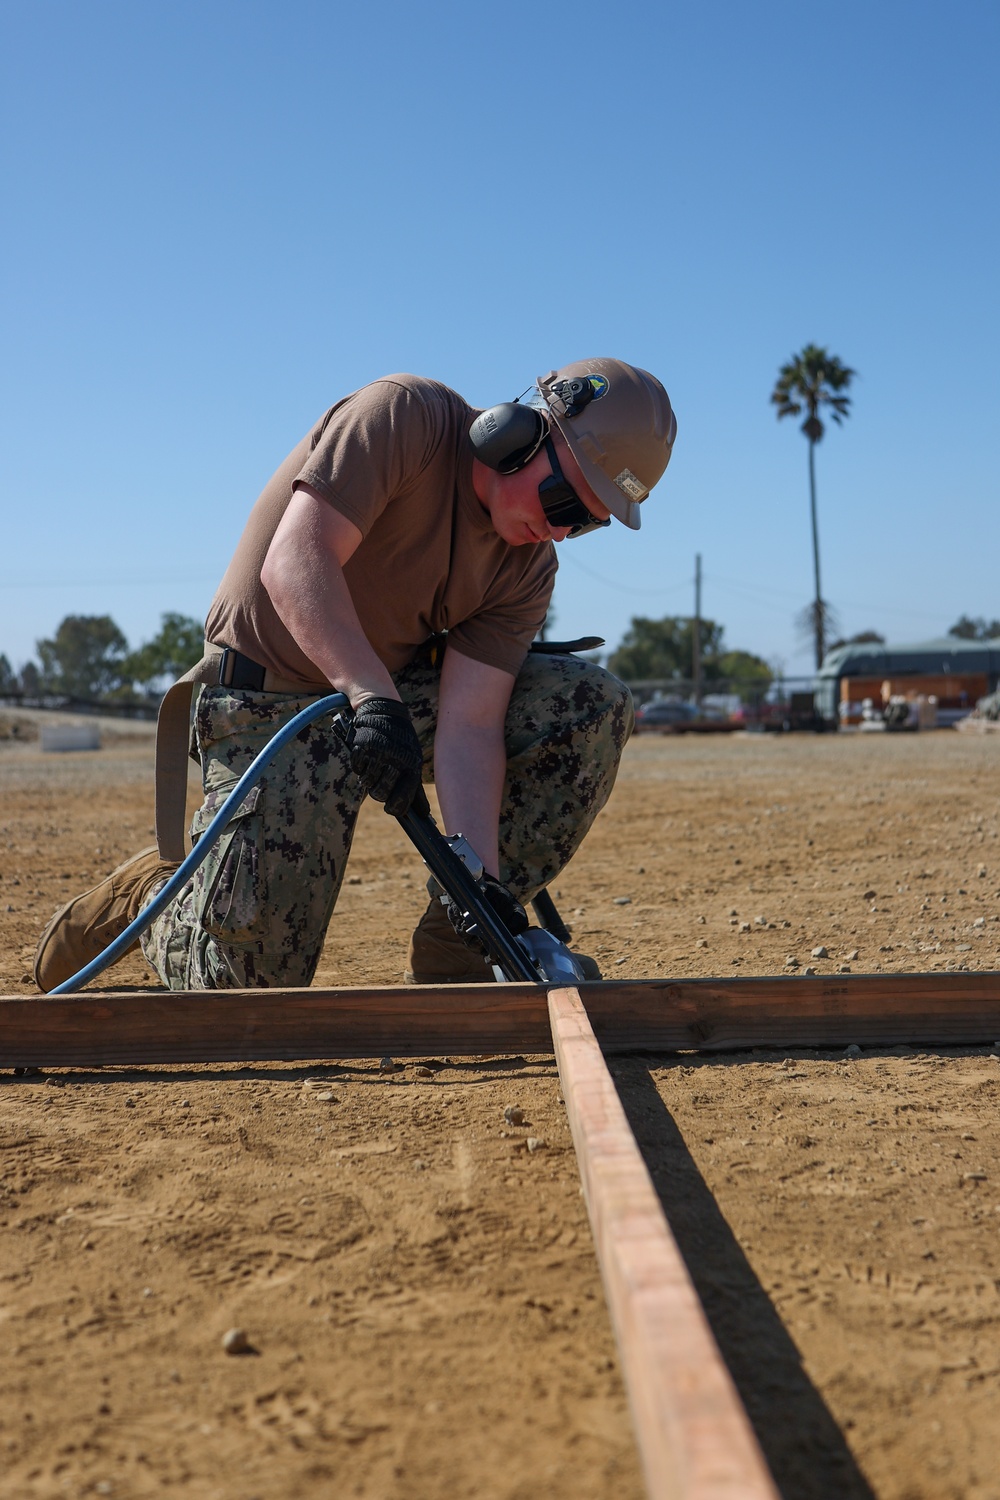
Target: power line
(767, 592)
(143, 582)
(624, 588)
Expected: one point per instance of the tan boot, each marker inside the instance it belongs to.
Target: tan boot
(83, 928)
(438, 955)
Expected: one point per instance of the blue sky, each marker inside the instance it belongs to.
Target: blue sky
(220, 217)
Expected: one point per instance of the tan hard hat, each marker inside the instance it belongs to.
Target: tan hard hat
(620, 435)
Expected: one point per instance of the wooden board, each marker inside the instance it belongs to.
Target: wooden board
(136, 1027)
(694, 1437)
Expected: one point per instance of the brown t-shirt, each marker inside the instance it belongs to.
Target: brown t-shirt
(395, 459)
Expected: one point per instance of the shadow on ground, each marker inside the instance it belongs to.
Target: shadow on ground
(802, 1443)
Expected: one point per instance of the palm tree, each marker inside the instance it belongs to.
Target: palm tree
(810, 380)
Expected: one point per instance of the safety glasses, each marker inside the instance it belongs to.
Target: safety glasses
(560, 502)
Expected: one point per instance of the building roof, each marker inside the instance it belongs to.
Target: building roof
(946, 653)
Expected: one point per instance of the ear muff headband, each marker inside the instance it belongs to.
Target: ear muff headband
(506, 437)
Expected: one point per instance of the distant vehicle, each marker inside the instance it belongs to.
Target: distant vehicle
(664, 713)
(798, 711)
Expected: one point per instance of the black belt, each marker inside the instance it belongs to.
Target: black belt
(240, 672)
(246, 675)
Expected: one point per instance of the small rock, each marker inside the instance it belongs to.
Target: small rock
(513, 1115)
(853, 1050)
(979, 922)
(621, 960)
(387, 1065)
(60, 1083)
(761, 921)
(733, 912)
(868, 896)
(701, 921)
(808, 969)
(235, 1341)
(973, 1176)
(535, 1143)
(791, 962)
(820, 952)
(981, 872)
(622, 901)
(326, 1096)
(701, 943)
(852, 956)
(844, 969)
(424, 1072)
(744, 926)
(354, 880)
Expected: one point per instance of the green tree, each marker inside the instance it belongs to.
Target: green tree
(653, 649)
(811, 380)
(975, 630)
(84, 658)
(179, 644)
(8, 677)
(750, 675)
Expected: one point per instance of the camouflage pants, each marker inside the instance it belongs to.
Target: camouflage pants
(257, 910)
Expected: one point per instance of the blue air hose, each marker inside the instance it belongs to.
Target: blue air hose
(201, 850)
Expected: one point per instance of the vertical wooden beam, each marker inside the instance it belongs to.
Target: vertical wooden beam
(694, 1436)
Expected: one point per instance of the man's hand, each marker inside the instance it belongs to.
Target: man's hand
(386, 754)
(505, 906)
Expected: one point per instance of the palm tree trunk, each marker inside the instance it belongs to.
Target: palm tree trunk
(818, 620)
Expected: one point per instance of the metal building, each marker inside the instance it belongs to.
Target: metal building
(956, 671)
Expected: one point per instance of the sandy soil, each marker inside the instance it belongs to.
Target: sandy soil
(419, 1290)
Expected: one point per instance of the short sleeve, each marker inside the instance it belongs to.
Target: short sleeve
(370, 448)
(500, 633)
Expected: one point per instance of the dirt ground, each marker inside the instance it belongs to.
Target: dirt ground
(419, 1290)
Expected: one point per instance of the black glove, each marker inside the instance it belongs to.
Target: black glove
(386, 755)
(504, 905)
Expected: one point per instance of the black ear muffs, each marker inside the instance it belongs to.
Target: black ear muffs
(506, 437)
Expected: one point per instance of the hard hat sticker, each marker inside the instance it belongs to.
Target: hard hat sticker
(598, 384)
(630, 486)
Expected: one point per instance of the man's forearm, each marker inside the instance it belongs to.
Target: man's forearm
(470, 765)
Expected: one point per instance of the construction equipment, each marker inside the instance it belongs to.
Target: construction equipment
(538, 956)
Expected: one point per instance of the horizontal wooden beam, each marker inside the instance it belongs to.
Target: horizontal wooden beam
(694, 1436)
(134, 1027)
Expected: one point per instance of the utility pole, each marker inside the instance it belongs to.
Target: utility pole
(696, 632)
